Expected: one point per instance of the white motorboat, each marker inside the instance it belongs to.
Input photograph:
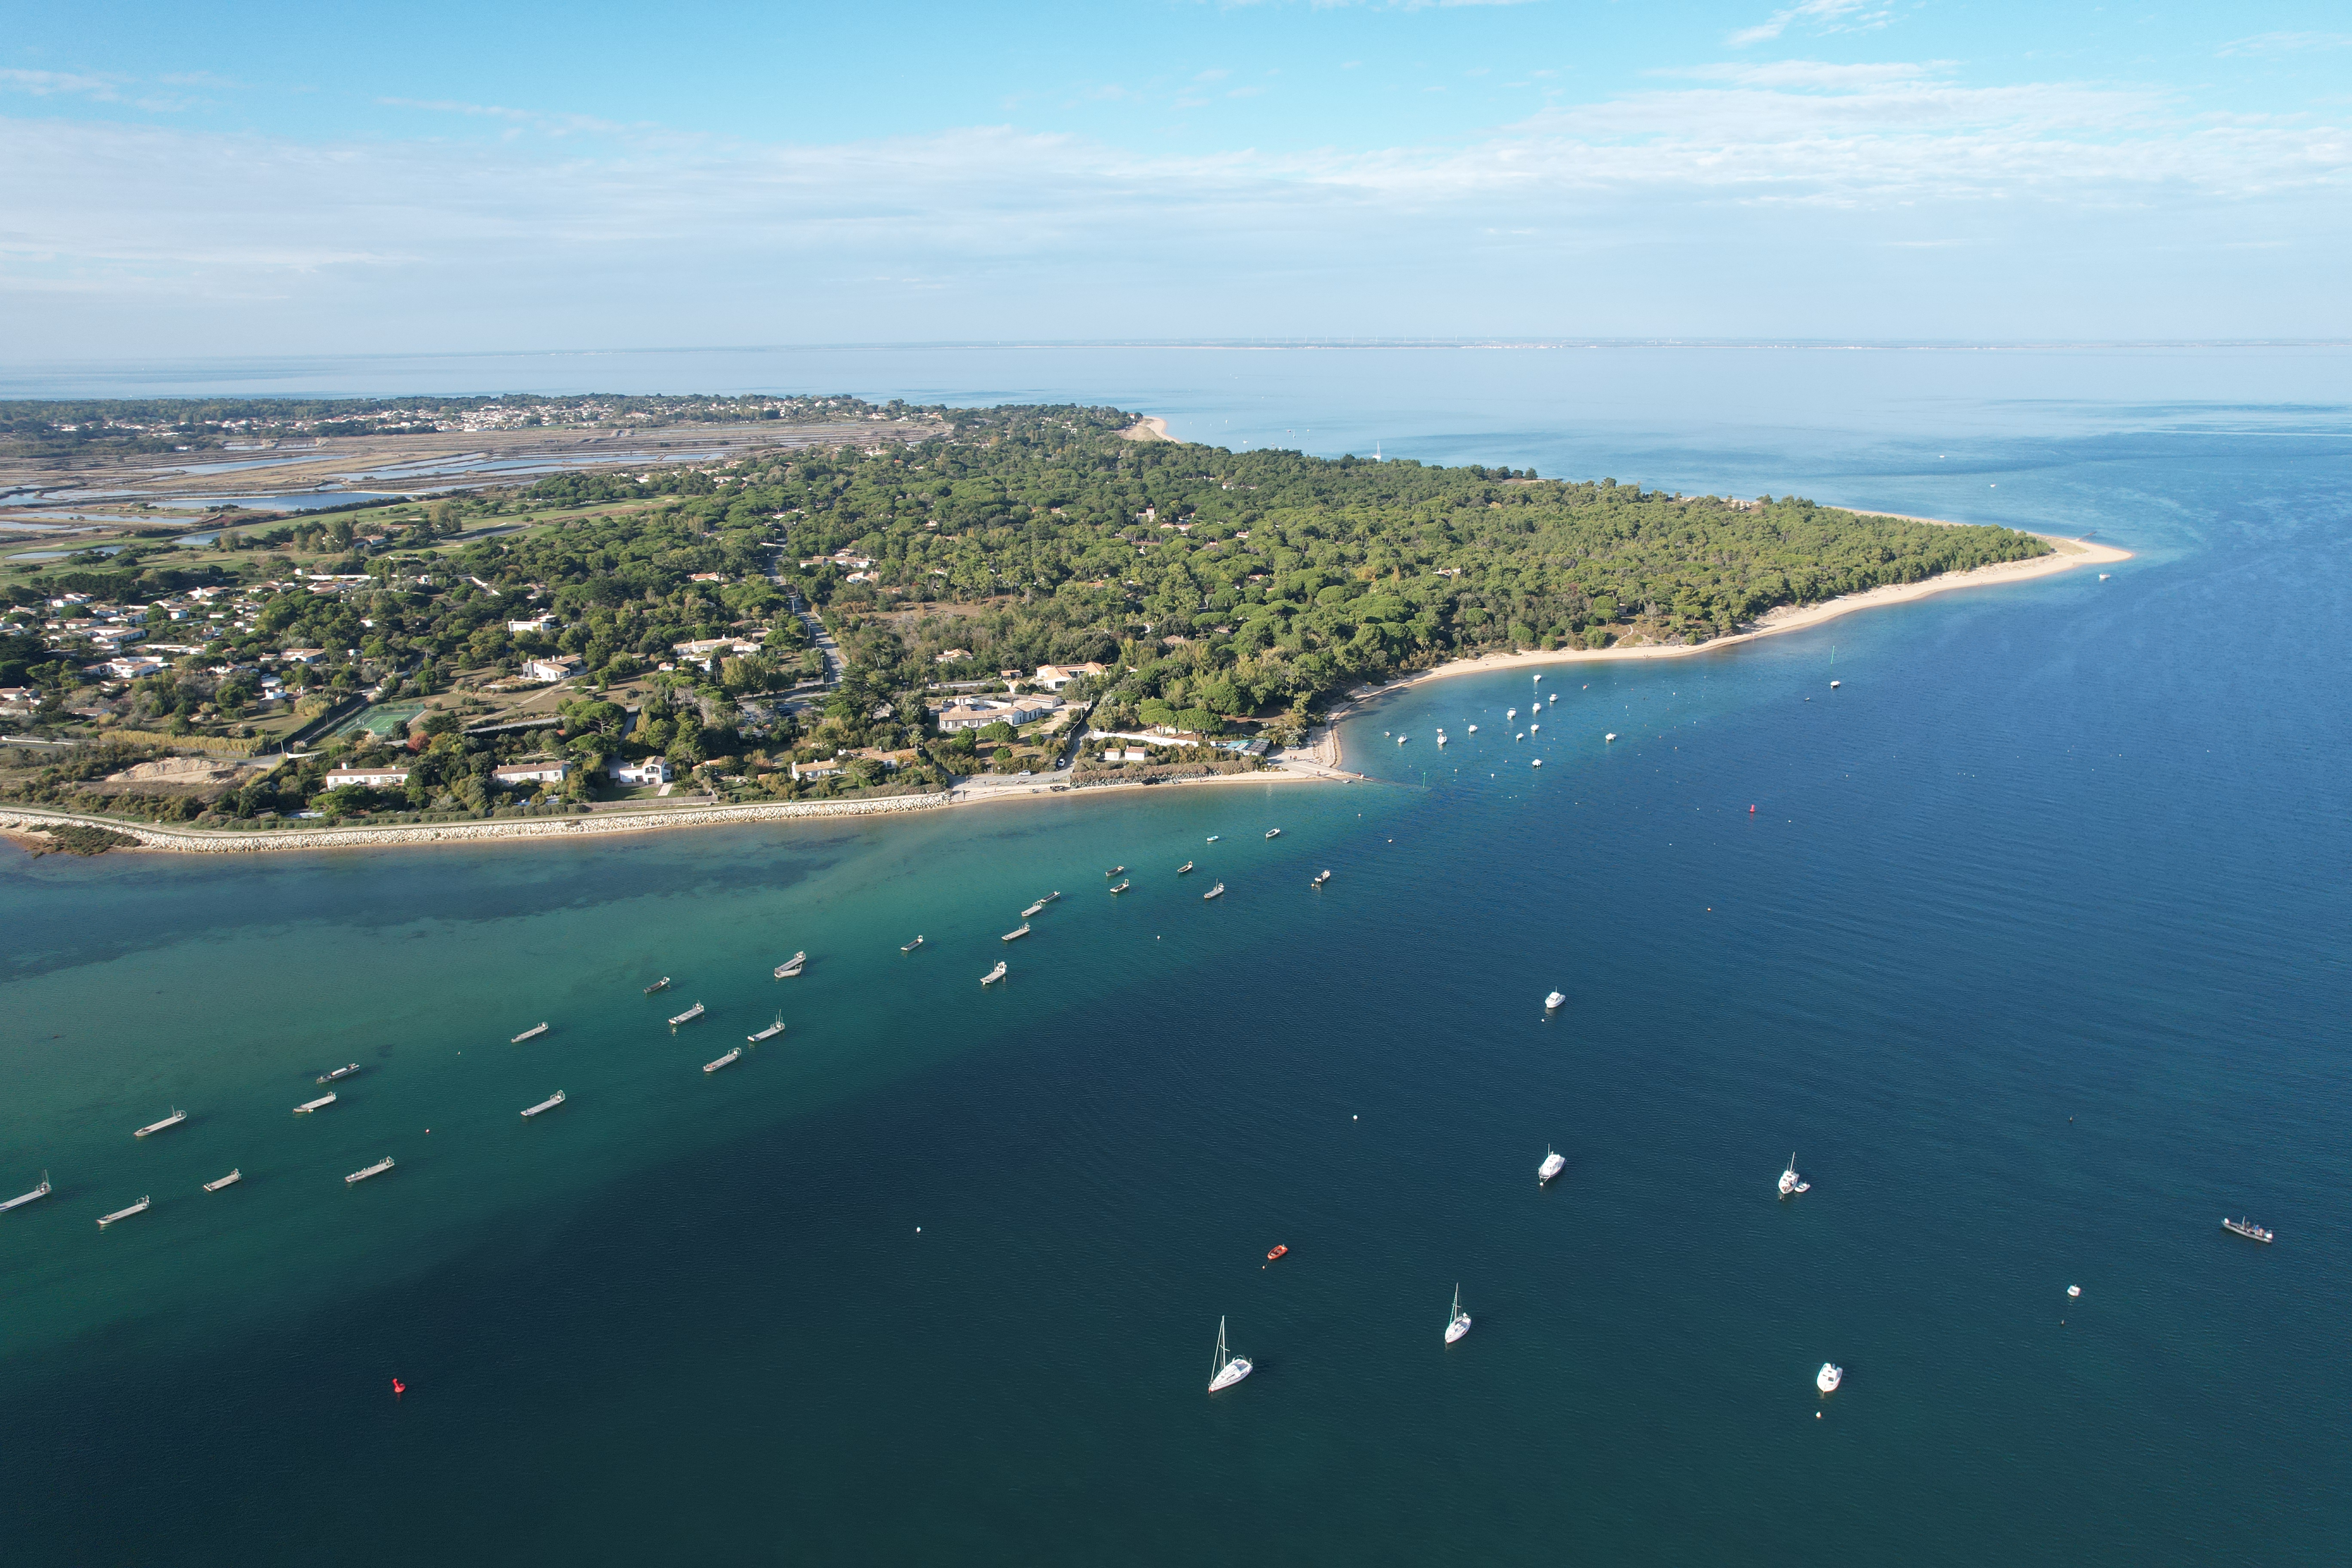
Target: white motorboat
(1537, 764)
(1458, 1323)
(22, 1199)
(1836, 684)
(1274, 833)
(1554, 1001)
(2245, 1227)
(1474, 729)
(1121, 887)
(1441, 737)
(661, 985)
(1553, 1164)
(165, 1125)
(139, 1207)
(1215, 837)
(232, 1179)
(1611, 736)
(1402, 739)
(1792, 1183)
(1184, 869)
(1829, 1377)
(770, 1033)
(1216, 892)
(550, 1103)
(1534, 727)
(790, 966)
(728, 1060)
(338, 1072)
(1510, 712)
(1224, 1368)
(1320, 878)
(528, 1035)
(993, 975)
(308, 1106)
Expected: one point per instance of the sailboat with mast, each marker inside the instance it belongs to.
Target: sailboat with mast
(1226, 1369)
(1459, 1323)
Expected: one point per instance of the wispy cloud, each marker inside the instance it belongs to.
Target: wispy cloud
(1816, 15)
(99, 88)
(2287, 44)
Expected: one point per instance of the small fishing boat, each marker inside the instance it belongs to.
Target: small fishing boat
(1611, 736)
(1114, 871)
(1213, 838)
(689, 1017)
(911, 946)
(1402, 739)
(1051, 896)
(1441, 737)
(338, 1073)
(1554, 1001)
(364, 1172)
(550, 1103)
(1792, 1183)
(1829, 1377)
(790, 966)
(1537, 764)
(165, 1125)
(22, 1199)
(1474, 729)
(1184, 867)
(308, 1106)
(1034, 910)
(139, 1207)
(1535, 729)
(232, 1179)
(1321, 878)
(1553, 1164)
(1121, 888)
(1274, 833)
(661, 985)
(1458, 1323)
(730, 1059)
(770, 1033)
(1216, 892)
(2246, 1228)
(528, 1035)
(993, 975)
(1510, 712)
(1277, 1252)
(1017, 934)
(1225, 1369)
(1836, 684)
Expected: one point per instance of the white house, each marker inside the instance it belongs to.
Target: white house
(516, 774)
(561, 668)
(649, 771)
(367, 778)
(303, 655)
(974, 712)
(535, 624)
(132, 668)
(1054, 677)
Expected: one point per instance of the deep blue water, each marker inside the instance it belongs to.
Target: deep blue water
(2033, 950)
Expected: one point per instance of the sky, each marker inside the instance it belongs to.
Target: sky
(185, 182)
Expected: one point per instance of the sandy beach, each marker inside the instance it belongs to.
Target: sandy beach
(1151, 428)
(2068, 554)
(1319, 759)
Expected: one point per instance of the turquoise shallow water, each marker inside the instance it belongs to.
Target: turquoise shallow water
(2033, 952)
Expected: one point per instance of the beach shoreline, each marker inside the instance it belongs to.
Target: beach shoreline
(1321, 759)
(2066, 555)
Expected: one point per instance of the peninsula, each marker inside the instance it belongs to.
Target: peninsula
(1029, 596)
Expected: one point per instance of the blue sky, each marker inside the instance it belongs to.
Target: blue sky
(180, 180)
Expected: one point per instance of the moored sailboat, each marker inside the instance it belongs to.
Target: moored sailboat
(1457, 1323)
(1226, 1369)
(1792, 1183)
(338, 1072)
(1553, 1164)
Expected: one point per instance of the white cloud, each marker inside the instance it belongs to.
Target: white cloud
(1816, 15)
(2287, 44)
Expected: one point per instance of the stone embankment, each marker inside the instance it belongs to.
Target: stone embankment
(200, 841)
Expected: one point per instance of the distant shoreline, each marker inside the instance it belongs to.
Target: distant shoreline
(2067, 554)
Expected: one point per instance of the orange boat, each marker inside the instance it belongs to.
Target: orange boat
(1276, 1253)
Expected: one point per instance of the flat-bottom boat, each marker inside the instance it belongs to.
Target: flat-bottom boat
(1187, 866)
(1015, 935)
(993, 975)
(661, 985)
(550, 1103)
(1121, 888)
(139, 1207)
(528, 1035)
(770, 1033)
(689, 1017)
(232, 1179)
(911, 946)
(21, 1200)
(1318, 882)
(1034, 910)
(728, 1060)
(378, 1169)
(1277, 1252)
(2246, 1228)
(168, 1122)
(1216, 892)
(338, 1073)
(320, 1103)
(1274, 833)
(792, 966)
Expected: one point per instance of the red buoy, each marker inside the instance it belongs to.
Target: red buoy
(398, 1388)
(1751, 811)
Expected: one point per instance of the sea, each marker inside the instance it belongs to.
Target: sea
(2017, 917)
